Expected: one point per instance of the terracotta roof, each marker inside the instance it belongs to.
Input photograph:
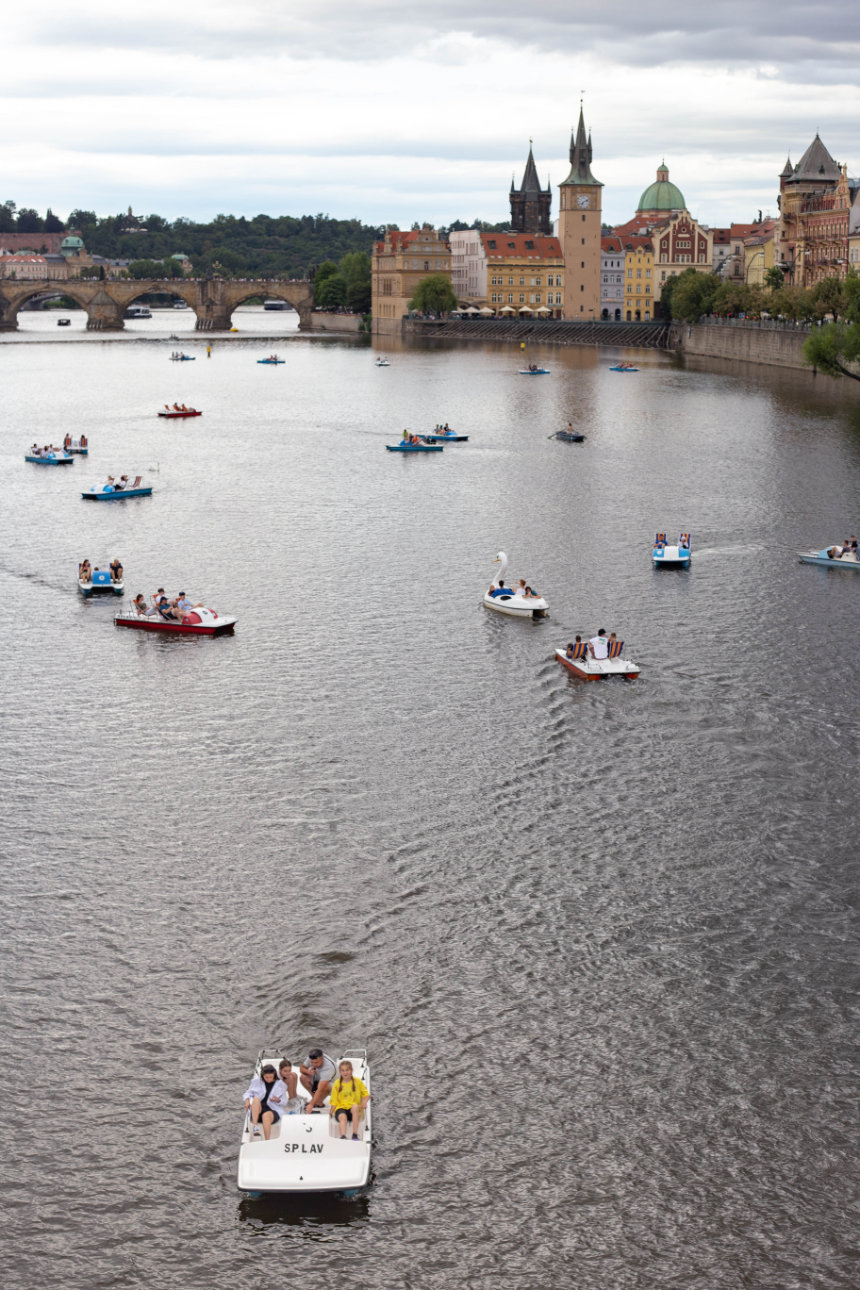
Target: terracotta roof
(401, 238)
(722, 235)
(635, 243)
(611, 245)
(522, 246)
(744, 230)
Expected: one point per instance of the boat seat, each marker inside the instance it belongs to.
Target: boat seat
(502, 591)
(101, 578)
(580, 650)
(615, 648)
(660, 539)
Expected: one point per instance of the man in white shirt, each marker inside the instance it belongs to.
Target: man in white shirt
(317, 1072)
(598, 645)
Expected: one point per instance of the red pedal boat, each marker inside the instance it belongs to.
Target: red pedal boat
(198, 622)
(174, 414)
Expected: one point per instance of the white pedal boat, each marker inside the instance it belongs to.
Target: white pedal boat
(305, 1152)
(506, 600)
(836, 557)
(581, 664)
(678, 555)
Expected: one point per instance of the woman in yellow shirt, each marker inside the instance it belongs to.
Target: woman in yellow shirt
(348, 1098)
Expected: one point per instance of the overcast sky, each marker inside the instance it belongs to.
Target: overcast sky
(394, 112)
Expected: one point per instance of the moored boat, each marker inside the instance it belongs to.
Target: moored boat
(49, 457)
(196, 622)
(834, 557)
(579, 660)
(666, 554)
(514, 602)
(305, 1152)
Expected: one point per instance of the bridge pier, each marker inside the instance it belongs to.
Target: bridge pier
(8, 315)
(104, 314)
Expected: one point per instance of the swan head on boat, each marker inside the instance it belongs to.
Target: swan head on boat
(502, 560)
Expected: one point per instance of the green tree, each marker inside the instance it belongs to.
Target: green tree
(331, 293)
(774, 278)
(7, 217)
(52, 224)
(358, 296)
(693, 295)
(434, 295)
(29, 221)
(828, 297)
(831, 347)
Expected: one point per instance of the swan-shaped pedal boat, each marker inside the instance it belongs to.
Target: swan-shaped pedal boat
(577, 659)
(679, 555)
(835, 557)
(100, 581)
(57, 457)
(507, 600)
(197, 622)
(305, 1152)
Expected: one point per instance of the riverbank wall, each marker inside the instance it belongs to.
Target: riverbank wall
(652, 335)
(322, 321)
(742, 341)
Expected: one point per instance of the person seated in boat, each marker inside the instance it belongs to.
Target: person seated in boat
(85, 572)
(121, 483)
(851, 544)
(116, 569)
(164, 607)
(67, 442)
(528, 594)
(499, 589)
(177, 408)
(574, 648)
(83, 441)
(348, 1099)
(184, 605)
(141, 607)
(262, 1088)
(317, 1073)
(291, 1081)
(834, 553)
(598, 647)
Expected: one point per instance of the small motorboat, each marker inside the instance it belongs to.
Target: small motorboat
(671, 555)
(53, 457)
(100, 581)
(578, 660)
(305, 1153)
(445, 436)
(272, 361)
(174, 413)
(77, 447)
(382, 362)
(64, 322)
(569, 436)
(407, 445)
(196, 622)
(835, 557)
(508, 600)
(623, 367)
(110, 492)
(183, 358)
(533, 371)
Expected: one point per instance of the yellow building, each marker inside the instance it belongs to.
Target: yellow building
(579, 231)
(398, 263)
(639, 285)
(759, 254)
(524, 274)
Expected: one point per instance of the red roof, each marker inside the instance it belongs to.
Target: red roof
(744, 230)
(722, 235)
(637, 243)
(611, 245)
(523, 246)
(400, 238)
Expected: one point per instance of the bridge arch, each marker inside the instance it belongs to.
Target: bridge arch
(18, 293)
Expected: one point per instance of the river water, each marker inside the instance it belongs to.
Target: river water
(598, 939)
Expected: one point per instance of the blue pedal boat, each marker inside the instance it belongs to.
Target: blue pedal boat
(569, 436)
(271, 361)
(847, 559)
(447, 436)
(183, 358)
(414, 447)
(664, 553)
(623, 367)
(50, 458)
(533, 371)
(101, 581)
(108, 493)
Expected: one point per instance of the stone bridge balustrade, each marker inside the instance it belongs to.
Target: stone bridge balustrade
(106, 300)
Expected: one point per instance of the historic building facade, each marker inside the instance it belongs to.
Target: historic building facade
(639, 284)
(580, 231)
(398, 263)
(530, 204)
(524, 274)
(611, 279)
(815, 202)
(468, 267)
(678, 241)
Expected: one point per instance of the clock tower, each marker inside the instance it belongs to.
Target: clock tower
(579, 224)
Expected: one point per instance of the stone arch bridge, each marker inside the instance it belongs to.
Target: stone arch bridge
(106, 300)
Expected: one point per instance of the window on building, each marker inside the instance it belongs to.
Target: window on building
(426, 266)
(630, 273)
(536, 298)
(522, 298)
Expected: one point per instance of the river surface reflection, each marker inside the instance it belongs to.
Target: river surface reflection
(599, 940)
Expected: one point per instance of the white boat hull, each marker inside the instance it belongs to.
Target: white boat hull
(517, 606)
(594, 669)
(672, 555)
(305, 1152)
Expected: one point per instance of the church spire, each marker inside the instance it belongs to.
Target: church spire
(530, 204)
(580, 155)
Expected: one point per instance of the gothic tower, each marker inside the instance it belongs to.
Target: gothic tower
(530, 204)
(579, 221)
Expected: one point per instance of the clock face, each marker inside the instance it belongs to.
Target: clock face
(582, 200)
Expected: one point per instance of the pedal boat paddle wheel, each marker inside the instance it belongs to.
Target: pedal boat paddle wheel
(305, 1153)
(578, 661)
(506, 600)
(664, 553)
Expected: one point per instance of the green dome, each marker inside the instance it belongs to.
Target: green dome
(662, 195)
(73, 243)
